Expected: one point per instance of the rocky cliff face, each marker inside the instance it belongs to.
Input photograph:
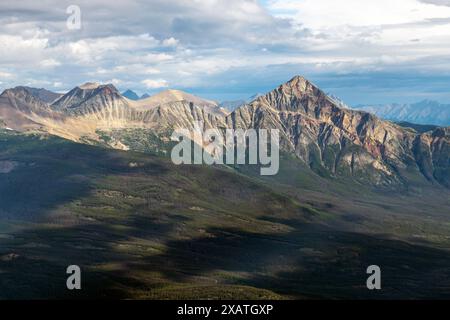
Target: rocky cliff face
(339, 141)
(21, 110)
(333, 141)
(432, 154)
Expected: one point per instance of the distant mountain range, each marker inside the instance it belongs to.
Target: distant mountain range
(130, 94)
(424, 112)
(331, 140)
(232, 105)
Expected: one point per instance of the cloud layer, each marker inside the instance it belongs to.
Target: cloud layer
(362, 50)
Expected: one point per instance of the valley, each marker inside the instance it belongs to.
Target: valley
(141, 227)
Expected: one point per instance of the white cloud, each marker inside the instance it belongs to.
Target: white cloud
(5, 74)
(49, 63)
(148, 70)
(114, 81)
(369, 35)
(17, 48)
(155, 84)
(323, 14)
(170, 42)
(153, 57)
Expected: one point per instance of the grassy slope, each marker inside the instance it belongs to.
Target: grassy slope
(141, 227)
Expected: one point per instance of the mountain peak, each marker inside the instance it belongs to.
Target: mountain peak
(85, 92)
(130, 94)
(15, 90)
(172, 95)
(301, 84)
(28, 93)
(298, 78)
(297, 94)
(97, 87)
(21, 93)
(40, 93)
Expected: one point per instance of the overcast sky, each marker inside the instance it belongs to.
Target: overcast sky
(364, 51)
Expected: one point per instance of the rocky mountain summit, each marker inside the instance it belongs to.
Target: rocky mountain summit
(339, 141)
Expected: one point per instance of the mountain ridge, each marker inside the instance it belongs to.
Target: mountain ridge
(425, 112)
(341, 141)
(331, 140)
